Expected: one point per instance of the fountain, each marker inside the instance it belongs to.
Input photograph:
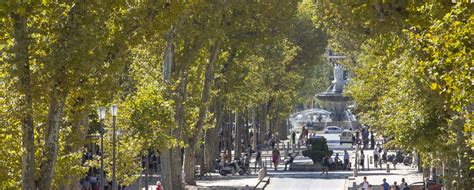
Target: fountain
(333, 110)
(334, 101)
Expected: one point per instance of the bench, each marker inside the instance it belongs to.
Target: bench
(372, 187)
(305, 167)
(262, 183)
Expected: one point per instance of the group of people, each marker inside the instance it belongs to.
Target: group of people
(330, 164)
(364, 132)
(386, 186)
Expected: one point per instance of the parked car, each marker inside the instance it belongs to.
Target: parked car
(332, 129)
(345, 137)
(314, 136)
(432, 185)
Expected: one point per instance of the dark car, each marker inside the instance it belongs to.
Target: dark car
(432, 185)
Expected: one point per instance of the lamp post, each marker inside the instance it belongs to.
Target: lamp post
(356, 165)
(113, 109)
(101, 112)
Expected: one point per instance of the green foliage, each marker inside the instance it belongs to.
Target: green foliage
(94, 54)
(318, 150)
(411, 72)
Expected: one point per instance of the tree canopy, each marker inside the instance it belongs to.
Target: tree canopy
(166, 64)
(412, 73)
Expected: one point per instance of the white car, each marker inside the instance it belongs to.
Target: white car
(332, 129)
(345, 136)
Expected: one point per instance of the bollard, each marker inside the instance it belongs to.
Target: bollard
(388, 167)
(368, 162)
(262, 173)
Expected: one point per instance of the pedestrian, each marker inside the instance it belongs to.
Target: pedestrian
(94, 182)
(275, 158)
(293, 137)
(404, 185)
(395, 186)
(385, 185)
(87, 184)
(325, 165)
(258, 159)
(353, 140)
(290, 160)
(362, 159)
(269, 134)
(158, 186)
(304, 132)
(338, 161)
(346, 159)
(272, 142)
(365, 138)
(376, 157)
(331, 163)
(414, 163)
(247, 161)
(365, 184)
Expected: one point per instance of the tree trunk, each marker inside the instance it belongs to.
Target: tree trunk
(171, 158)
(55, 115)
(211, 137)
(189, 161)
(263, 124)
(171, 168)
(225, 133)
(25, 104)
(229, 133)
(246, 131)
(237, 143)
(79, 132)
(254, 125)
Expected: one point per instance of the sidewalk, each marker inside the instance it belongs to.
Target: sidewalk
(375, 177)
(222, 182)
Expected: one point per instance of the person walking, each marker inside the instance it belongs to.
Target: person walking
(258, 159)
(337, 161)
(385, 185)
(325, 165)
(376, 157)
(269, 134)
(293, 137)
(346, 159)
(353, 140)
(362, 159)
(275, 158)
(365, 184)
(271, 141)
(305, 132)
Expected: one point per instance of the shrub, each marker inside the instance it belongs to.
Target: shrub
(319, 149)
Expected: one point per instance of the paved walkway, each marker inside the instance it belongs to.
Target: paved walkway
(375, 177)
(281, 179)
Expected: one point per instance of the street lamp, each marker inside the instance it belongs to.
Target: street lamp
(101, 113)
(356, 164)
(113, 109)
